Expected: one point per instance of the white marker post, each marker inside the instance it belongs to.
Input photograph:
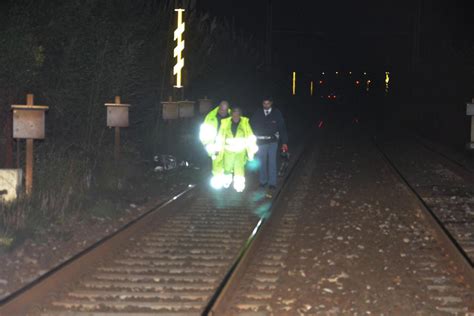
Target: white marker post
(117, 117)
(470, 112)
(29, 124)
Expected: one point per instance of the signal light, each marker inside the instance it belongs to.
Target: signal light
(178, 51)
(294, 83)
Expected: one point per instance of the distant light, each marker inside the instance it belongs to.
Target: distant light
(321, 124)
(387, 81)
(337, 72)
(368, 85)
(294, 83)
(321, 81)
(350, 72)
(365, 74)
(311, 88)
(357, 82)
(323, 73)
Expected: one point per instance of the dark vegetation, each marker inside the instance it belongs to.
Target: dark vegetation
(432, 96)
(77, 55)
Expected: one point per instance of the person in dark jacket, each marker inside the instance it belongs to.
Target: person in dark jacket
(269, 128)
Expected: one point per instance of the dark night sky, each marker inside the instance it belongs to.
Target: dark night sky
(346, 35)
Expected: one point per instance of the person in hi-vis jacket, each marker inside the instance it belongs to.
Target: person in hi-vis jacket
(207, 134)
(237, 145)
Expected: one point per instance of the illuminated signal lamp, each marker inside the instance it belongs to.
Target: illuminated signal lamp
(294, 83)
(387, 81)
(178, 50)
(321, 82)
(357, 82)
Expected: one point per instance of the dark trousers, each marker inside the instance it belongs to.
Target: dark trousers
(267, 157)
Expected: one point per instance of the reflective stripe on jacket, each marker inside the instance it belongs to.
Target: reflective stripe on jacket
(244, 139)
(208, 130)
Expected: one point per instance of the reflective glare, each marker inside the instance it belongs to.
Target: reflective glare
(226, 180)
(253, 165)
(263, 211)
(257, 196)
(217, 182)
(239, 183)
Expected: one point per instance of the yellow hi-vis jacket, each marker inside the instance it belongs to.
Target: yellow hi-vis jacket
(243, 141)
(208, 130)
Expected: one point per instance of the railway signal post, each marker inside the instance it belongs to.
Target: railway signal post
(117, 117)
(29, 124)
(470, 112)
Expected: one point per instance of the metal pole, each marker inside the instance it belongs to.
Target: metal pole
(29, 166)
(117, 144)
(29, 155)
(472, 129)
(117, 135)
(18, 153)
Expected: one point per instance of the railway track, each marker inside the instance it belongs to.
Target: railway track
(456, 159)
(194, 255)
(444, 186)
(173, 264)
(170, 261)
(285, 273)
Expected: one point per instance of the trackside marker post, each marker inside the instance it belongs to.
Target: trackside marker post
(29, 124)
(117, 117)
(470, 112)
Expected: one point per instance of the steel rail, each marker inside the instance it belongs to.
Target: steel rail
(35, 292)
(454, 249)
(214, 306)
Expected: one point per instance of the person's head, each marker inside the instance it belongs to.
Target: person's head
(267, 103)
(223, 108)
(236, 114)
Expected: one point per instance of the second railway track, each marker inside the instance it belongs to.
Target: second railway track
(445, 187)
(319, 256)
